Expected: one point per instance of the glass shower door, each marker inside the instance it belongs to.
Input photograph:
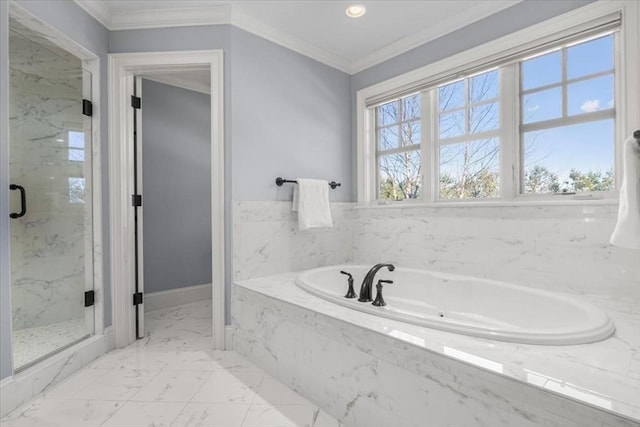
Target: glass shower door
(51, 212)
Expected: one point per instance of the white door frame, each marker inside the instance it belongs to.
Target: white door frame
(122, 68)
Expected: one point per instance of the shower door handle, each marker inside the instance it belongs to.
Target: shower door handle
(23, 201)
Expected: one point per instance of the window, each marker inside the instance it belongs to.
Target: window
(398, 149)
(567, 120)
(468, 137)
(534, 124)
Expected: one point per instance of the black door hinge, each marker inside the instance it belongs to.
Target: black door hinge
(137, 298)
(136, 101)
(87, 107)
(136, 200)
(89, 298)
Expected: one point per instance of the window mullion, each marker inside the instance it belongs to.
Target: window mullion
(565, 108)
(509, 100)
(426, 142)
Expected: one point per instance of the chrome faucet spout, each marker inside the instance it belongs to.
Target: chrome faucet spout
(367, 283)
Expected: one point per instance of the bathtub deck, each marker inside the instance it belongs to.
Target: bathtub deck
(604, 375)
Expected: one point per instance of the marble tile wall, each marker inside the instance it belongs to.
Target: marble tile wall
(560, 248)
(266, 239)
(48, 244)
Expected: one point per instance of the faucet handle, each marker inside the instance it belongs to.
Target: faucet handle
(350, 292)
(379, 301)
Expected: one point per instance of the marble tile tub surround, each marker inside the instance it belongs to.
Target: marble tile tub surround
(559, 248)
(372, 371)
(266, 239)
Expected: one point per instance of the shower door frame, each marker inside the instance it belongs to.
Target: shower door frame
(122, 70)
(91, 63)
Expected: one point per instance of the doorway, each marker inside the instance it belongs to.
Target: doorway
(174, 237)
(126, 72)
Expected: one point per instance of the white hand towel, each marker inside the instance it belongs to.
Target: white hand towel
(311, 200)
(626, 234)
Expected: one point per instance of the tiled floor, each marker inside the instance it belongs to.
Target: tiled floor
(170, 378)
(31, 344)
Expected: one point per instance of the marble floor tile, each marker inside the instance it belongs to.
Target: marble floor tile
(143, 414)
(171, 378)
(212, 415)
(62, 413)
(172, 385)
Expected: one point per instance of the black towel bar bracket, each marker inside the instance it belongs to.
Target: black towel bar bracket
(280, 181)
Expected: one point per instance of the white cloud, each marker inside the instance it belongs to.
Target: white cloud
(590, 105)
(534, 108)
(610, 103)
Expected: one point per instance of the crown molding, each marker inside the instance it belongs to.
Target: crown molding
(456, 22)
(274, 35)
(163, 18)
(98, 9)
(223, 14)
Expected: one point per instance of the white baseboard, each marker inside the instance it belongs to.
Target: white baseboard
(173, 297)
(228, 337)
(24, 386)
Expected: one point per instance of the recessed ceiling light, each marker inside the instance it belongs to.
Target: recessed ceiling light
(355, 11)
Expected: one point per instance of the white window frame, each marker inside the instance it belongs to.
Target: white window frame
(627, 105)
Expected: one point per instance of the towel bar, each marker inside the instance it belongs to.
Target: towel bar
(280, 181)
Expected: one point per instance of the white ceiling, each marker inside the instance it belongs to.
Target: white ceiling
(319, 28)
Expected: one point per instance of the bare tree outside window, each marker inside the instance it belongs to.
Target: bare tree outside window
(469, 168)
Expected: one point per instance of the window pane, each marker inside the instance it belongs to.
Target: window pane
(76, 190)
(542, 70)
(411, 107)
(388, 113)
(590, 95)
(411, 133)
(451, 95)
(484, 117)
(76, 155)
(569, 158)
(388, 138)
(483, 87)
(399, 176)
(590, 57)
(543, 105)
(470, 169)
(451, 124)
(76, 139)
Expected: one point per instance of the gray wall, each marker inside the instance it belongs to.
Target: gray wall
(176, 171)
(290, 118)
(71, 20)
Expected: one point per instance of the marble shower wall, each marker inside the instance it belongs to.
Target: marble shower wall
(48, 244)
(266, 239)
(560, 248)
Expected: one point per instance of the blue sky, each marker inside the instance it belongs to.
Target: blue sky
(587, 146)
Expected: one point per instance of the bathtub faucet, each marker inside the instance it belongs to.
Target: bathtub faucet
(367, 283)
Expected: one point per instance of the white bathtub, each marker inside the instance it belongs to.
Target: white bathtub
(467, 305)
